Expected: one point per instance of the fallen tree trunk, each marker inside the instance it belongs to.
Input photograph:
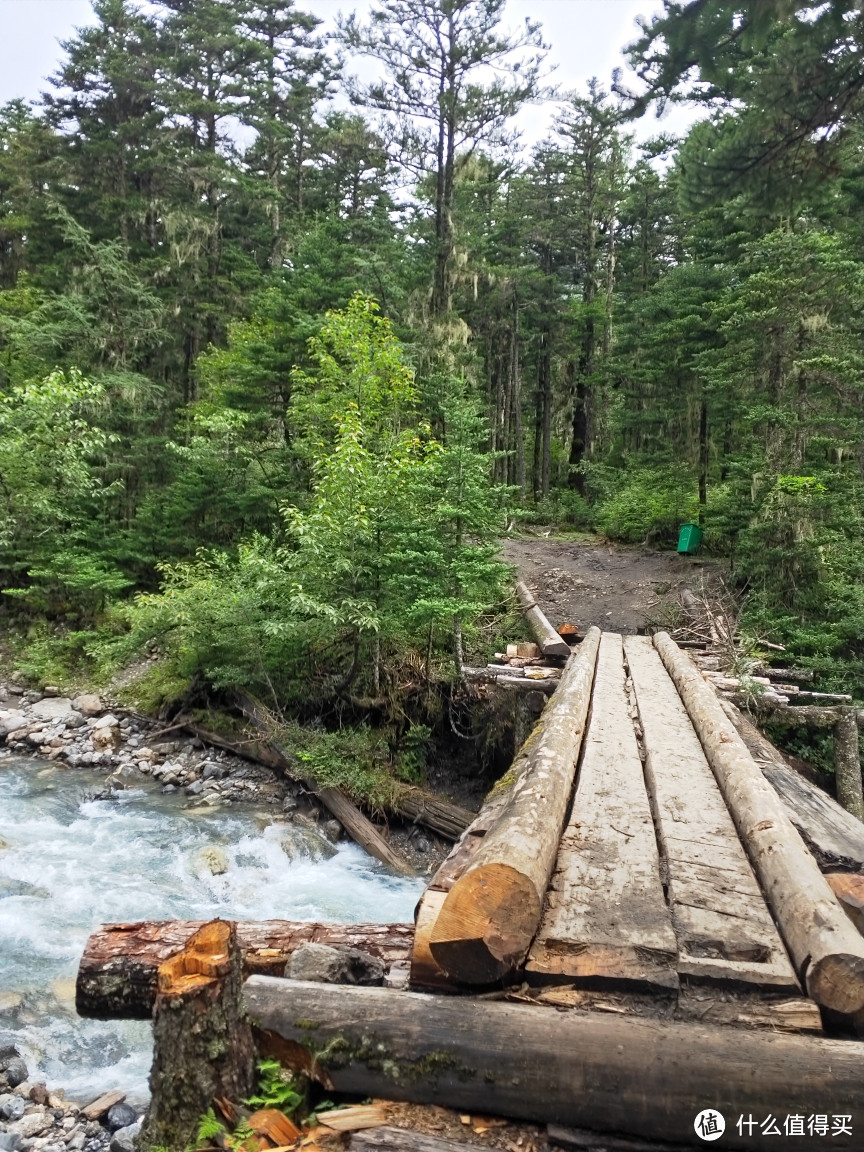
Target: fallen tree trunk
(508, 680)
(847, 764)
(592, 1070)
(825, 948)
(551, 644)
(202, 1040)
(834, 837)
(440, 815)
(491, 914)
(118, 973)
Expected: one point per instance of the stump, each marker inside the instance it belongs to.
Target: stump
(202, 1040)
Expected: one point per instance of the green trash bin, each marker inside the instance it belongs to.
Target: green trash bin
(689, 539)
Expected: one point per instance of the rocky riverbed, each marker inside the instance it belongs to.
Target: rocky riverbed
(32, 1119)
(102, 818)
(85, 733)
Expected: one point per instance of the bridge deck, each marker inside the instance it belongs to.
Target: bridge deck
(653, 898)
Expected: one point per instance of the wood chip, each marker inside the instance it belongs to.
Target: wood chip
(353, 1119)
(274, 1126)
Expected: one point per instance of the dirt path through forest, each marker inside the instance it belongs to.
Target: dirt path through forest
(590, 581)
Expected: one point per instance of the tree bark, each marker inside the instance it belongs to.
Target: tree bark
(847, 764)
(202, 1040)
(118, 973)
(491, 914)
(594, 1070)
(826, 950)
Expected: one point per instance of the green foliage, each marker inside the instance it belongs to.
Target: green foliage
(277, 1088)
(646, 504)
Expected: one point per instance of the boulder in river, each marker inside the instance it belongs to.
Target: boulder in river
(53, 708)
(120, 1116)
(88, 704)
(326, 965)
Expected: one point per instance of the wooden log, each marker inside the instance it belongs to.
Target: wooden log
(551, 644)
(834, 837)
(389, 1139)
(724, 929)
(99, 1107)
(592, 1070)
(825, 948)
(797, 716)
(800, 675)
(578, 1140)
(202, 1039)
(825, 698)
(512, 679)
(440, 815)
(605, 919)
(491, 913)
(847, 764)
(117, 976)
(425, 972)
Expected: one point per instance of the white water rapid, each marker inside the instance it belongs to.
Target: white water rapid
(69, 863)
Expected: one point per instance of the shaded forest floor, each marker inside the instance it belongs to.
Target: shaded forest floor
(586, 581)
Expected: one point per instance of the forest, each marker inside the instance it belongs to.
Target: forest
(278, 374)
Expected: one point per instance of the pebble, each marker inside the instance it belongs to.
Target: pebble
(11, 1107)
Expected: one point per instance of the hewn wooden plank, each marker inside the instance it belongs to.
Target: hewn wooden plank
(724, 928)
(605, 916)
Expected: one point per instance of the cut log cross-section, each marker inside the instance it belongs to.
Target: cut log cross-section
(492, 912)
(202, 1040)
(825, 947)
(724, 929)
(606, 918)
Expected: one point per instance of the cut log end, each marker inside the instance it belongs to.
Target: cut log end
(486, 924)
(836, 982)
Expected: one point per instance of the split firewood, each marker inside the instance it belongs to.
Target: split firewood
(117, 976)
(354, 1118)
(491, 914)
(202, 1039)
(274, 1126)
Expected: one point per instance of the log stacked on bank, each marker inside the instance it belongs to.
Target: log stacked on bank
(118, 973)
(551, 644)
(825, 948)
(490, 915)
(592, 1070)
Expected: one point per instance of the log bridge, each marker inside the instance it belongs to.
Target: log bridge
(651, 914)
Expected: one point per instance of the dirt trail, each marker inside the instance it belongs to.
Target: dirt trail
(592, 582)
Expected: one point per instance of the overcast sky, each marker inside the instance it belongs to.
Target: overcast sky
(586, 38)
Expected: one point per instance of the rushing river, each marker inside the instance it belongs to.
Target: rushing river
(69, 862)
